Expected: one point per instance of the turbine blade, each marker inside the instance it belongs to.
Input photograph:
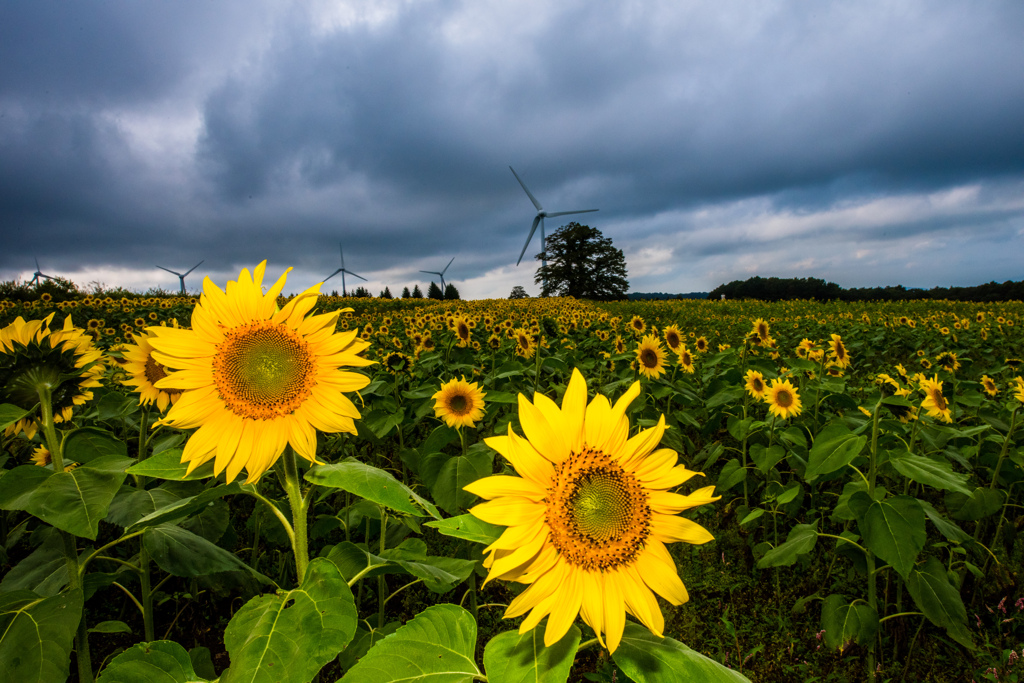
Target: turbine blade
(193, 267)
(358, 276)
(566, 213)
(330, 276)
(430, 272)
(526, 190)
(533, 229)
(169, 271)
(449, 263)
(342, 250)
(37, 264)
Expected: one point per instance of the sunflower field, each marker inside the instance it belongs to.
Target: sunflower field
(250, 487)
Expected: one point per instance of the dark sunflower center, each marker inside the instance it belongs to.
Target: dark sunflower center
(263, 371)
(459, 404)
(649, 358)
(597, 512)
(686, 359)
(463, 331)
(673, 339)
(757, 384)
(940, 400)
(784, 399)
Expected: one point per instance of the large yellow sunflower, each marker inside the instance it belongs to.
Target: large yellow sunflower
(650, 357)
(673, 337)
(754, 384)
(256, 378)
(588, 520)
(934, 402)
(459, 403)
(31, 354)
(837, 352)
(783, 399)
(144, 372)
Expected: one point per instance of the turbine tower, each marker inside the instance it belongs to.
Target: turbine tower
(38, 274)
(539, 218)
(342, 270)
(440, 275)
(181, 276)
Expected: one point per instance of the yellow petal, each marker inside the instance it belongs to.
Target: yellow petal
(662, 578)
(641, 601)
(674, 503)
(567, 605)
(500, 485)
(672, 529)
(574, 408)
(540, 432)
(614, 609)
(592, 607)
(641, 445)
(508, 511)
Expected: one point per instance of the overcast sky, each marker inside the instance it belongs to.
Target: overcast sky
(866, 143)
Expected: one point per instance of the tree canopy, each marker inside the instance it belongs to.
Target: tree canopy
(582, 263)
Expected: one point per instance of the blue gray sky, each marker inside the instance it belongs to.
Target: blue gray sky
(868, 143)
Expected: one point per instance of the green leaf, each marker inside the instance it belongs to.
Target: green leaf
(439, 574)
(947, 528)
(756, 513)
(438, 645)
(36, 635)
(935, 473)
(89, 443)
(168, 465)
(438, 439)
(186, 506)
(936, 597)
(844, 622)
(468, 527)
(501, 397)
(290, 636)
(457, 472)
(18, 486)
(513, 658)
(132, 504)
(801, 540)
(111, 627)
(45, 571)
(9, 414)
(893, 529)
(766, 458)
(76, 501)
(835, 447)
(646, 658)
(183, 553)
(732, 474)
(162, 661)
(373, 484)
(981, 503)
(730, 394)
(115, 405)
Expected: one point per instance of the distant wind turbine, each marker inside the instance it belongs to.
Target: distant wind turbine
(38, 274)
(539, 218)
(343, 270)
(441, 274)
(181, 276)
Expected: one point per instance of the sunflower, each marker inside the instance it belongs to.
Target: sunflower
(41, 456)
(935, 403)
(701, 345)
(685, 359)
(837, 352)
(650, 357)
(989, 385)
(637, 325)
(525, 347)
(754, 384)
(620, 346)
(396, 362)
(256, 378)
(1018, 391)
(588, 520)
(144, 372)
(33, 356)
(673, 337)
(783, 399)
(761, 331)
(461, 326)
(459, 403)
(948, 360)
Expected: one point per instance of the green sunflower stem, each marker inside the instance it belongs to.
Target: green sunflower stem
(870, 556)
(293, 488)
(382, 585)
(144, 577)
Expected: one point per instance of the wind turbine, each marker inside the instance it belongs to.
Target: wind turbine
(38, 274)
(441, 274)
(539, 218)
(181, 277)
(342, 270)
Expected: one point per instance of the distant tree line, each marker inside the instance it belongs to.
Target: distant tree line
(433, 292)
(664, 296)
(782, 289)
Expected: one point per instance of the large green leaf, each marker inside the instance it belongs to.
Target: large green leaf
(9, 414)
(844, 622)
(457, 472)
(646, 658)
(835, 447)
(36, 635)
(89, 443)
(373, 484)
(183, 553)
(936, 473)
(513, 658)
(289, 637)
(981, 503)
(893, 529)
(439, 574)
(17, 486)
(766, 458)
(184, 507)
(132, 504)
(44, 572)
(947, 528)
(162, 661)
(437, 646)
(800, 541)
(936, 597)
(168, 465)
(468, 527)
(76, 501)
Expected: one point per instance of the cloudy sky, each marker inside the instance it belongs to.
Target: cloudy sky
(869, 143)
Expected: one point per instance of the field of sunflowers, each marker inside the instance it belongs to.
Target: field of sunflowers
(250, 487)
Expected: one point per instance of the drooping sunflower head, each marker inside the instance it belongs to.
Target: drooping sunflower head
(650, 357)
(144, 372)
(673, 337)
(837, 351)
(33, 358)
(989, 385)
(620, 345)
(459, 403)
(256, 378)
(753, 382)
(588, 521)
(397, 363)
(948, 360)
(685, 359)
(783, 399)
(935, 402)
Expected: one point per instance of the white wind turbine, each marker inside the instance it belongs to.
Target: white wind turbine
(181, 276)
(539, 218)
(440, 274)
(343, 270)
(38, 274)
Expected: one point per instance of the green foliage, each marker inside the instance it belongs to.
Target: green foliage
(582, 263)
(36, 635)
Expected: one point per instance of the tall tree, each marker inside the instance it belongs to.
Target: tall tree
(582, 263)
(386, 294)
(518, 293)
(416, 293)
(450, 292)
(405, 293)
(434, 292)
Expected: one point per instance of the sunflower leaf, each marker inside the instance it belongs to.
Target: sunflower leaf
(76, 501)
(469, 528)
(893, 528)
(373, 484)
(89, 443)
(800, 541)
(290, 636)
(184, 507)
(9, 414)
(168, 465)
(935, 473)
(939, 600)
(36, 635)
(835, 447)
(44, 572)
(646, 658)
(161, 661)
(844, 622)
(437, 645)
(513, 658)
(183, 553)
